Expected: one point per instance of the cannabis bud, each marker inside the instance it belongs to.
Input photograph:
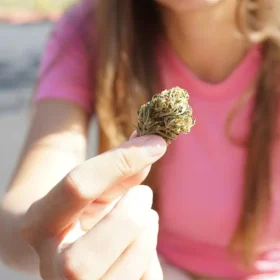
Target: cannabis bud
(168, 114)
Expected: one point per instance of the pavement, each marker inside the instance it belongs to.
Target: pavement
(20, 50)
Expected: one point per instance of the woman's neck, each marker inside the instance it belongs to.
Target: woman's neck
(207, 40)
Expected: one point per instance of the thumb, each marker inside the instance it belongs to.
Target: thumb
(63, 205)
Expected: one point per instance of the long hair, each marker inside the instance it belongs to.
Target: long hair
(126, 72)
(126, 77)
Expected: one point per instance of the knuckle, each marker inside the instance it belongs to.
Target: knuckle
(46, 272)
(124, 164)
(123, 219)
(27, 228)
(25, 232)
(72, 267)
(73, 187)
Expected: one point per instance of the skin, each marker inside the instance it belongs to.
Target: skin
(203, 33)
(65, 190)
(60, 210)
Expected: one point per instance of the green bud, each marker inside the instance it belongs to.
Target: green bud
(168, 114)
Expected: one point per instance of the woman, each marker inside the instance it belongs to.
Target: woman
(217, 187)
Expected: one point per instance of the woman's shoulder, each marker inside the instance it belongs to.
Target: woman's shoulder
(77, 21)
(65, 67)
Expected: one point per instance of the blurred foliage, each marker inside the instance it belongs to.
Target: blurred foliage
(36, 5)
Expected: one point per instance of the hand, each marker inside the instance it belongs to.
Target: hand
(120, 242)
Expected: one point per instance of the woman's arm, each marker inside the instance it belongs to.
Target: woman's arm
(56, 144)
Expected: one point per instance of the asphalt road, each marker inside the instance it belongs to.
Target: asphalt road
(20, 50)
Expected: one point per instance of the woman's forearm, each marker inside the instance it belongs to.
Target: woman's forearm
(28, 187)
(33, 181)
(56, 144)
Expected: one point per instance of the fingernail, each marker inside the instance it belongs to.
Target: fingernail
(154, 146)
(139, 202)
(133, 135)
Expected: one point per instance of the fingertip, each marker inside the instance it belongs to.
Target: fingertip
(141, 192)
(135, 135)
(154, 145)
(160, 139)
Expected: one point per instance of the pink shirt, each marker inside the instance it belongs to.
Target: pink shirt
(202, 173)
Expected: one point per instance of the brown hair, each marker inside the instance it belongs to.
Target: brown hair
(127, 73)
(126, 77)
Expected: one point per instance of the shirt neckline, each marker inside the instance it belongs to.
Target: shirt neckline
(236, 83)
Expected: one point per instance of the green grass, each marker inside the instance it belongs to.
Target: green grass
(36, 5)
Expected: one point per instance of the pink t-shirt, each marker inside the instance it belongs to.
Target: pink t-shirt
(202, 172)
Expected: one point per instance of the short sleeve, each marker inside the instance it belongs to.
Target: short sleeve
(64, 70)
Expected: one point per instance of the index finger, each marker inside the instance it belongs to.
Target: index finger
(100, 173)
(64, 203)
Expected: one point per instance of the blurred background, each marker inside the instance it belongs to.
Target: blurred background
(24, 29)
